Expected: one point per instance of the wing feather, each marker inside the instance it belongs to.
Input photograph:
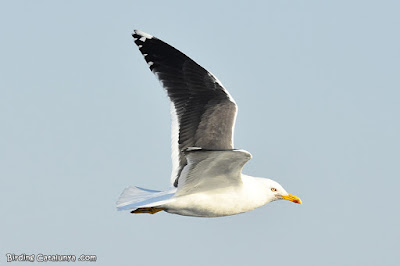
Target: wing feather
(211, 169)
(205, 111)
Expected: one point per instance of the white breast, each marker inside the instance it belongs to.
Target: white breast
(221, 202)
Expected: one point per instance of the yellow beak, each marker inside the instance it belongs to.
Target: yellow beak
(293, 198)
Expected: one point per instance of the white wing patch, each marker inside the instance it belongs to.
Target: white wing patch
(144, 35)
(174, 143)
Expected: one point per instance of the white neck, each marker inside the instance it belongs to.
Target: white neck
(257, 189)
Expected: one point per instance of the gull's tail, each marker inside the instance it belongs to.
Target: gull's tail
(144, 200)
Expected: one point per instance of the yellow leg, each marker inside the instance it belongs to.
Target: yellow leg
(151, 210)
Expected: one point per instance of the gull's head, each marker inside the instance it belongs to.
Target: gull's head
(276, 192)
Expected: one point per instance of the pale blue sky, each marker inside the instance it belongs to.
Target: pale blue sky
(82, 117)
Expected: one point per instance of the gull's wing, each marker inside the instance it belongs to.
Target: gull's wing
(211, 170)
(203, 112)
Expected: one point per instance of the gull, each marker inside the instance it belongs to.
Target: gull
(207, 178)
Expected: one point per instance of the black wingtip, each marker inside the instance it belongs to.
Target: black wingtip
(138, 34)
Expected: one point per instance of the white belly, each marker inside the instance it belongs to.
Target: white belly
(214, 203)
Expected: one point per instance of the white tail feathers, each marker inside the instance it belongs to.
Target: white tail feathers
(136, 197)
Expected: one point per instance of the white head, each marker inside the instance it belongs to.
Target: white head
(276, 192)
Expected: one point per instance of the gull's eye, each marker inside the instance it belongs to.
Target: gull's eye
(273, 189)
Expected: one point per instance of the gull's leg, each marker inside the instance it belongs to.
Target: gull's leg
(151, 210)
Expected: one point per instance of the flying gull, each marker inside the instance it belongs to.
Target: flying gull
(206, 179)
